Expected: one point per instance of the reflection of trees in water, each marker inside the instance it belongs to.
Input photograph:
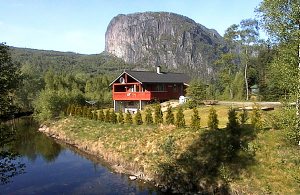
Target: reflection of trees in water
(10, 164)
(31, 143)
(22, 139)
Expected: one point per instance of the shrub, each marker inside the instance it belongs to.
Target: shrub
(128, 118)
(158, 115)
(180, 121)
(107, 116)
(94, 113)
(84, 111)
(213, 121)
(255, 117)
(138, 118)
(169, 146)
(170, 115)
(243, 116)
(233, 127)
(100, 115)
(121, 117)
(195, 119)
(148, 118)
(113, 117)
(89, 113)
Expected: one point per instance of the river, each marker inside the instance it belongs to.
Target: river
(32, 163)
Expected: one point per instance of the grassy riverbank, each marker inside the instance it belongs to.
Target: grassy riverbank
(185, 157)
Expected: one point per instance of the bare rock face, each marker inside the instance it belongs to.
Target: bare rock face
(161, 38)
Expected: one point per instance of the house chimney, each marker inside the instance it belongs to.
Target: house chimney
(158, 70)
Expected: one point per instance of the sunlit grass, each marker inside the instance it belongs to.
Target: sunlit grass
(276, 168)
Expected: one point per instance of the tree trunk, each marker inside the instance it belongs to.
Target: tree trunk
(298, 92)
(245, 76)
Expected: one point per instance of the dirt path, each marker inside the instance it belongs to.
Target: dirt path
(266, 104)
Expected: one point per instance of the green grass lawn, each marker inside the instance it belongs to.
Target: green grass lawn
(273, 169)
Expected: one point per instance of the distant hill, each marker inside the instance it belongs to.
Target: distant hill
(170, 40)
(42, 60)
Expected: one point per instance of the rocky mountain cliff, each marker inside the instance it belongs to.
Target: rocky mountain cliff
(165, 39)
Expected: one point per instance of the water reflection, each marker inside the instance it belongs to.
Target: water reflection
(18, 139)
(10, 165)
(29, 143)
(42, 166)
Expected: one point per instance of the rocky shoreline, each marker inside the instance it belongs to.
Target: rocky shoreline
(96, 149)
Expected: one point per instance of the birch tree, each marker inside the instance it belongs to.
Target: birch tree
(281, 20)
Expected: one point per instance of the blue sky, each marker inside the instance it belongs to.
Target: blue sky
(79, 25)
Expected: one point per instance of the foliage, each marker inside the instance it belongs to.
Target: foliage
(256, 118)
(158, 115)
(169, 146)
(107, 116)
(195, 119)
(180, 121)
(9, 162)
(196, 91)
(213, 121)
(234, 130)
(113, 117)
(100, 115)
(128, 118)
(281, 20)
(148, 117)
(50, 104)
(120, 117)
(169, 115)
(285, 119)
(138, 118)
(9, 79)
(243, 116)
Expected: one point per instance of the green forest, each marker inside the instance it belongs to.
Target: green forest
(51, 84)
(47, 81)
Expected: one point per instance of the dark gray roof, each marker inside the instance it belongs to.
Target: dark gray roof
(153, 77)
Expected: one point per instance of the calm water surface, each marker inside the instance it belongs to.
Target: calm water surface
(47, 167)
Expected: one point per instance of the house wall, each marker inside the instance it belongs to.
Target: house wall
(132, 106)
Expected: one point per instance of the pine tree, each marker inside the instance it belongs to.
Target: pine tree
(89, 113)
(84, 111)
(158, 115)
(213, 121)
(243, 116)
(120, 117)
(255, 117)
(128, 118)
(169, 116)
(180, 121)
(138, 118)
(79, 111)
(195, 119)
(113, 117)
(100, 114)
(107, 116)
(234, 130)
(148, 118)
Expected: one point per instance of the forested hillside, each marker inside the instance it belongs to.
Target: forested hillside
(42, 60)
(52, 77)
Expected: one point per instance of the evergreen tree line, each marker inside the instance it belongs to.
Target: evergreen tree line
(110, 116)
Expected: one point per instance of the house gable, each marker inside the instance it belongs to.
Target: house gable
(124, 77)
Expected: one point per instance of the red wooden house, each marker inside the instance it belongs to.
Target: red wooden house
(132, 90)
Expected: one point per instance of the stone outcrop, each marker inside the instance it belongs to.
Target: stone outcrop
(165, 39)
